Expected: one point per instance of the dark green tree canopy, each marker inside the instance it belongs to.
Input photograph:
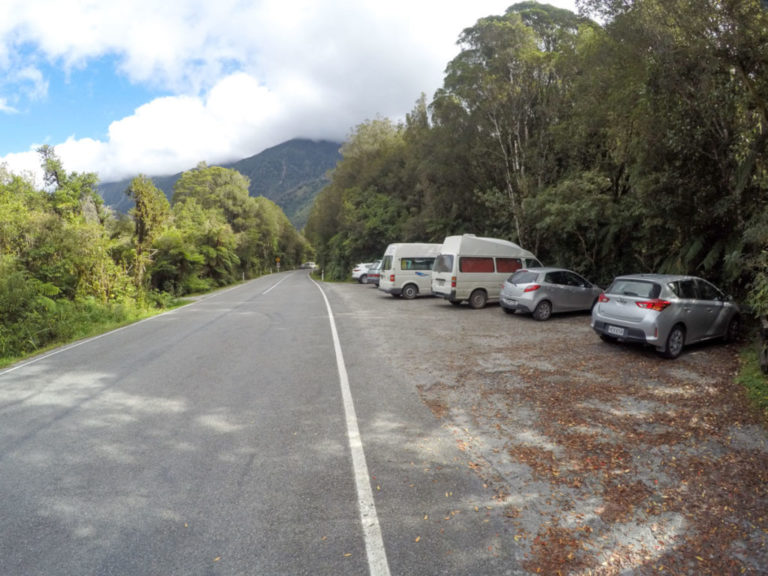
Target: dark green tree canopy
(636, 144)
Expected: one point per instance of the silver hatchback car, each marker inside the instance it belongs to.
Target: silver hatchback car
(544, 291)
(665, 311)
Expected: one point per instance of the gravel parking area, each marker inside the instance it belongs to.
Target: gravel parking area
(606, 459)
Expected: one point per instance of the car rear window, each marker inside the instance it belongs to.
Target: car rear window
(523, 277)
(636, 288)
(443, 263)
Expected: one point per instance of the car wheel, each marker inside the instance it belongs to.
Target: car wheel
(409, 291)
(675, 342)
(543, 310)
(477, 299)
(734, 327)
(363, 279)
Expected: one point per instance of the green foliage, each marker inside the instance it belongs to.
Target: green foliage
(68, 268)
(638, 145)
(753, 380)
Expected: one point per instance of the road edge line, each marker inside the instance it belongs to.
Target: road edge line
(374, 542)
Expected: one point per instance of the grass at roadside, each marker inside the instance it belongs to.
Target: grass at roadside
(752, 378)
(93, 324)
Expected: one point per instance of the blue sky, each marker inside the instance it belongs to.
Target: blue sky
(80, 103)
(137, 86)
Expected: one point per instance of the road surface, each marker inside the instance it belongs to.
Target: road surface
(256, 431)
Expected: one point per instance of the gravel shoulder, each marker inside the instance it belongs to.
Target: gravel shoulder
(604, 459)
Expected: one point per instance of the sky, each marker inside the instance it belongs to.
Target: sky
(128, 87)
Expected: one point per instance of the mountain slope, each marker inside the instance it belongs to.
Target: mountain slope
(290, 174)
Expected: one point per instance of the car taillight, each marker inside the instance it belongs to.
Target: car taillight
(532, 288)
(391, 277)
(658, 305)
(603, 298)
(453, 282)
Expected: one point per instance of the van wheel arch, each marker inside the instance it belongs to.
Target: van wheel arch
(478, 299)
(410, 291)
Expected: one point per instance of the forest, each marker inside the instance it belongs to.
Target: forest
(69, 266)
(630, 137)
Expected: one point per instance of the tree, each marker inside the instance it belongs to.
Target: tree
(505, 86)
(363, 208)
(150, 214)
(217, 188)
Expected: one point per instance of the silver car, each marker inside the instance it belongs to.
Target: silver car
(665, 311)
(374, 273)
(544, 291)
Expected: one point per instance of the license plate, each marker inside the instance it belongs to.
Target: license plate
(615, 331)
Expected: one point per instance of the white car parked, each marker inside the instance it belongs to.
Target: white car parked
(360, 272)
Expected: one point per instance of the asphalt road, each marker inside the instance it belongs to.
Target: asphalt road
(215, 439)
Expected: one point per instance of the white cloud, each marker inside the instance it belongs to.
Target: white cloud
(243, 75)
(6, 108)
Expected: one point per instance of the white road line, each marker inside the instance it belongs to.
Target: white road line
(268, 290)
(374, 543)
(67, 347)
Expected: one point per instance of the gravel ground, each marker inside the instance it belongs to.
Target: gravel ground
(605, 458)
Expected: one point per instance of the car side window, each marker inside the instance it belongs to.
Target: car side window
(707, 291)
(687, 289)
(575, 280)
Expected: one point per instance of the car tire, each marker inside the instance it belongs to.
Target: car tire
(478, 299)
(543, 310)
(363, 279)
(409, 291)
(734, 328)
(675, 342)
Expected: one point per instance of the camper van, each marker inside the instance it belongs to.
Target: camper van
(472, 268)
(406, 269)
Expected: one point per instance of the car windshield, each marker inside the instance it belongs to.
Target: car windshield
(443, 263)
(523, 277)
(636, 288)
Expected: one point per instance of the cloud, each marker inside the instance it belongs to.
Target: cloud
(239, 75)
(6, 108)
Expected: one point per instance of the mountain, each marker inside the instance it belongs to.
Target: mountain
(290, 174)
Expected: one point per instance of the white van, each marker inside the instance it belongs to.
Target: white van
(474, 269)
(406, 269)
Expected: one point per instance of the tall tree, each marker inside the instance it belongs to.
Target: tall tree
(217, 188)
(505, 86)
(150, 213)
